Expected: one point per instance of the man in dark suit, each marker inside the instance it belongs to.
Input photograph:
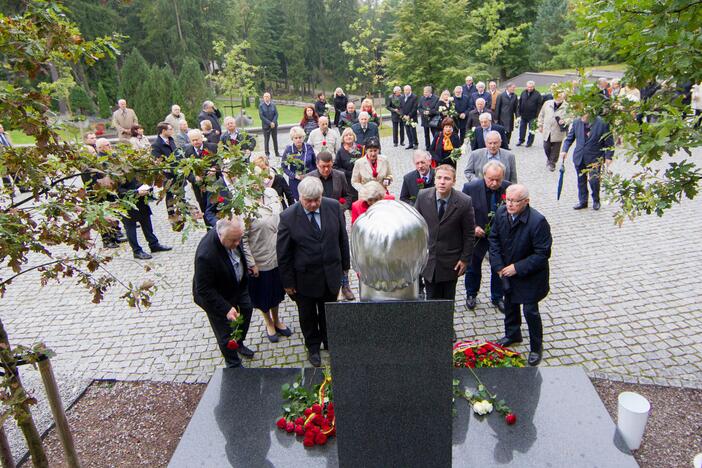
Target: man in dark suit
(364, 129)
(333, 181)
(473, 119)
(469, 87)
(461, 105)
(529, 107)
(220, 285)
(162, 147)
(348, 118)
(313, 253)
(409, 116)
(211, 113)
(506, 110)
(520, 246)
(268, 113)
(428, 108)
(593, 142)
(449, 215)
(199, 149)
(486, 126)
(393, 104)
(422, 177)
(487, 194)
(480, 93)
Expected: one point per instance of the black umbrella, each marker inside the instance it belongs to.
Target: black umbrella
(560, 181)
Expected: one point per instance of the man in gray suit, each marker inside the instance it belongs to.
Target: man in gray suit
(449, 215)
(492, 152)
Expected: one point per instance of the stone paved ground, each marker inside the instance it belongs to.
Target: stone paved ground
(624, 301)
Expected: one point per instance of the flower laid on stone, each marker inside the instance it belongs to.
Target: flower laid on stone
(511, 418)
(474, 354)
(482, 407)
(307, 413)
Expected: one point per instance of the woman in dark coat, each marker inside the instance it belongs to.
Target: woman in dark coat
(340, 101)
(347, 156)
(444, 143)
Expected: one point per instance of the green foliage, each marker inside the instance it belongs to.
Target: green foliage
(364, 50)
(134, 74)
(103, 102)
(192, 90)
(236, 76)
(81, 102)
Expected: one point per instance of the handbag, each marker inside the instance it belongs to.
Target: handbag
(435, 121)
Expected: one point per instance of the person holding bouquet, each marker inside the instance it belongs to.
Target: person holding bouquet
(298, 159)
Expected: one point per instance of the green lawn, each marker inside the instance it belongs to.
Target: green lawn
(613, 67)
(286, 114)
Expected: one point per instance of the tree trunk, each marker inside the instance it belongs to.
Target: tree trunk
(23, 415)
(177, 16)
(63, 108)
(5, 453)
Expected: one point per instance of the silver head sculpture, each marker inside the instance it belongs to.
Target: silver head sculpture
(389, 251)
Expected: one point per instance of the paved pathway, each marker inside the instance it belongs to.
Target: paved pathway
(624, 302)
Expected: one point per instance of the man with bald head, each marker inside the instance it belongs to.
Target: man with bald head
(123, 119)
(220, 285)
(520, 247)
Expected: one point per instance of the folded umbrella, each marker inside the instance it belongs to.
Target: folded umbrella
(560, 181)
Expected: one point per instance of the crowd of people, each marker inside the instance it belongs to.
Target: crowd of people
(297, 243)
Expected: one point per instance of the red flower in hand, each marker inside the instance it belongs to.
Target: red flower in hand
(220, 199)
(504, 196)
(232, 345)
(511, 418)
(420, 180)
(324, 142)
(205, 152)
(342, 200)
(281, 423)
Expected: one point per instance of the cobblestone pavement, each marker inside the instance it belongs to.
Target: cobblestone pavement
(624, 302)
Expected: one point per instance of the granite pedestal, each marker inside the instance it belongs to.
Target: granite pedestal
(560, 422)
(383, 357)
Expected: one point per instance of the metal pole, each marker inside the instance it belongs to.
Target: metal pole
(5, 452)
(52, 395)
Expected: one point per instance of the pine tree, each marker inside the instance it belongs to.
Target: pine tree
(104, 108)
(81, 103)
(134, 74)
(192, 89)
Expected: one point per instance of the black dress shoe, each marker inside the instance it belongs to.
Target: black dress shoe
(506, 342)
(534, 358)
(580, 206)
(314, 358)
(500, 304)
(520, 143)
(596, 205)
(141, 255)
(160, 248)
(416, 147)
(394, 144)
(409, 147)
(284, 331)
(244, 351)
(528, 145)
(470, 302)
(272, 338)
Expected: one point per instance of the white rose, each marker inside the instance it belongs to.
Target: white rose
(482, 407)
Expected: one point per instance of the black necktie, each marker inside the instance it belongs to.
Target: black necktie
(315, 226)
(442, 208)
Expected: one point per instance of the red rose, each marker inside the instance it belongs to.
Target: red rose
(299, 430)
(504, 196)
(511, 418)
(316, 408)
(281, 423)
(299, 421)
(420, 180)
(307, 411)
(330, 407)
(324, 142)
(290, 426)
(320, 439)
(342, 200)
(220, 199)
(233, 345)
(205, 152)
(308, 443)
(319, 419)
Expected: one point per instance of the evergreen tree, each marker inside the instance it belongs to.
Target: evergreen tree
(81, 103)
(295, 33)
(192, 90)
(549, 29)
(134, 74)
(103, 102)
(267, 40)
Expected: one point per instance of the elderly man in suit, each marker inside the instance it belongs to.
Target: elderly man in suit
(333, 181)
(313, 254)
(486, 126)
(123, 119)
(393, 103)
(364, 129)
(198, 148)
(487, 194)
(162, 147)
(461, 105)
(220, 285)
(324, 138)
(479, 93)
(529, 106)
(422, 177)
(492, 152)
(506, 109)
(349, 117)
(520, 246)
(468, 87)
(409, 117)
(211, 113)
(428, 108)
(449, 215)
(593, 142)
(473, 118)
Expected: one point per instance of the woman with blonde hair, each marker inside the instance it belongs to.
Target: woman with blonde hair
(346, 156)
(208, 132)
(367, 106)
(340, 101)
(274, 180)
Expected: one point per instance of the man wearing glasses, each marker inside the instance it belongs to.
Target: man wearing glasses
(520, 246)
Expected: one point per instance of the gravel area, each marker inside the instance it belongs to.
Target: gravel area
(674, 431)
(140, 423)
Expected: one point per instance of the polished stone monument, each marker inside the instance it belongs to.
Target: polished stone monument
(386, 348)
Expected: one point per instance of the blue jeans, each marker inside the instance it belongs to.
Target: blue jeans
(474, 273)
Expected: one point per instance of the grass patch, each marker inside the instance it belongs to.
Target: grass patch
(612, 67)
(286, 114)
